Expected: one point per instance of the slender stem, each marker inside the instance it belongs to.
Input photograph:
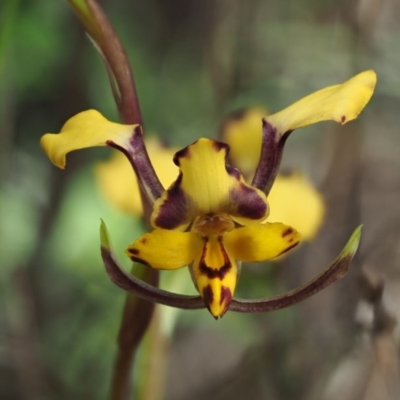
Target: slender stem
(136, 318)
(137, 312)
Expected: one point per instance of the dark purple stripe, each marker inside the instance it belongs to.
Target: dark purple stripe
(210, 272)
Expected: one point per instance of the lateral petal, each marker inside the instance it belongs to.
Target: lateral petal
(260, 242)
(86, 129)
(341, 103)
(165, 249)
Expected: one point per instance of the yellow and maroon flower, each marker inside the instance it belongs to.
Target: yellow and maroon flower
(210, 219)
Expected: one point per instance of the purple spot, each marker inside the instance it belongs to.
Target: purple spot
(287, 232)
(173, 212)
(248, 203)
(139, 260)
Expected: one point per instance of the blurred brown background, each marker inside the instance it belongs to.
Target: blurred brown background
(194, 61)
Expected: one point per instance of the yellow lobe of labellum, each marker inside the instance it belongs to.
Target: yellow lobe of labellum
(260, 242)
(165, 249)
(341, 103)
(215, 274)
(86, 129)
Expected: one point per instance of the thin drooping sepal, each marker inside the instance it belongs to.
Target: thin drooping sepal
(111, 50)
(135, 150)
(337, 270)
(272, 144)
(134, 285)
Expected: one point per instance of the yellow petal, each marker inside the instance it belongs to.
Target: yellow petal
(86, 129)
(260, 242)
(163, 249)
(207, 185)
(341, 103)
(294, 200)
(243, 132)
(215, 274)
(118, 183)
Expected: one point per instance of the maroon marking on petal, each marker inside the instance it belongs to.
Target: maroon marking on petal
(226, 299)
(221, 146)
(185, 152)
(248, 203)
(226, 295)
(139, 260)
(214, 272)
(133, 251)
(208, 296)
(143, 240)
(173, 212)
(287, 232)
(288, 248)
(232, 171)
(343, 119)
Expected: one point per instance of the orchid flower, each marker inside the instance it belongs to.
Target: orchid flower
(210, 219)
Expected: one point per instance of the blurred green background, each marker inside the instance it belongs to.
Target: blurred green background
(194, 61)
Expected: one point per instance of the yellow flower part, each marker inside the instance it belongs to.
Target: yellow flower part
(242, 131)
(341, 103)
(307, 212)
(86, 129)
(207, 219)
(296, 201)
(118, 183)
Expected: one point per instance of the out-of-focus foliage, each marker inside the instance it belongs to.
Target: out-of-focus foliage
(193, 61)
